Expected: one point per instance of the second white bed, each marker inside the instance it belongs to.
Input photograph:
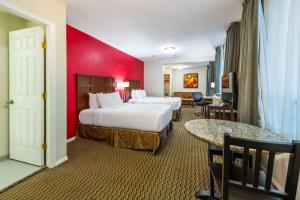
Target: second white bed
(175, 102)
(144, 117)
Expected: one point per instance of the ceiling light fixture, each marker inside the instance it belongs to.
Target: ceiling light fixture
(170, 49)
(180, 67)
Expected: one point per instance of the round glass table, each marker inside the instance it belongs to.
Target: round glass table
(212, 131)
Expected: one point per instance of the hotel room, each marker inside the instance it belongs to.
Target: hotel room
(149, 99)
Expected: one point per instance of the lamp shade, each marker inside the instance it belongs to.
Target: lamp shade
(125, 84)
(212, 85)
(122, 84)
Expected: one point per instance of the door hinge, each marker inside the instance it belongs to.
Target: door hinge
(44, 146)
(44, 45)
(44, 96)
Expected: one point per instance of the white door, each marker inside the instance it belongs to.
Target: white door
(26, 86)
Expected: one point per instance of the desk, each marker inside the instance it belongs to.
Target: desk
(207, 100)
(222, 110)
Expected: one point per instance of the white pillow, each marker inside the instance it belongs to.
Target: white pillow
(103, 100)
(93, 101)
(109, 99)
(143, 94)
(133, 94)
(140, 94)
(98, 99)
(116, 99)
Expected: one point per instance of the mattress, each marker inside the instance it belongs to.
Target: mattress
(175, 102)
(144, 117)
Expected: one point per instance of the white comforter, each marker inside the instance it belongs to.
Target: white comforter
(175, 102)
(145, 117)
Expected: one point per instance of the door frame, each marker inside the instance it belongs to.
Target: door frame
(50, 71)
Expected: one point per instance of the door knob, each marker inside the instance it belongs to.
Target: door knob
(10, 102)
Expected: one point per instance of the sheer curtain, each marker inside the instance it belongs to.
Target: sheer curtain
(279, 67)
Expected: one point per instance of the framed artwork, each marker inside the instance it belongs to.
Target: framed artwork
(190, 80)
(225, 81)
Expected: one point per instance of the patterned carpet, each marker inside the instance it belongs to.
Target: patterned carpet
(96, 170)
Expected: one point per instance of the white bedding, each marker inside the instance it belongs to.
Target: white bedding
(175, 102)
(144, 117)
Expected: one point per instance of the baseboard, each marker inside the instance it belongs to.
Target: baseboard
(4, 157)
(60, 161)
(71, 139)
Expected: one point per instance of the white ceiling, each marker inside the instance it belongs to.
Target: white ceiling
(143, 27)
(186, 65)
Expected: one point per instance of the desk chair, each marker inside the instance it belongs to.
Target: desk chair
(197, 96)
(234, 182)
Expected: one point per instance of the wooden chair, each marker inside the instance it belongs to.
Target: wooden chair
(234, 182)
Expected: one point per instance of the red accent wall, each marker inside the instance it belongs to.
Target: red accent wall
(87, 55)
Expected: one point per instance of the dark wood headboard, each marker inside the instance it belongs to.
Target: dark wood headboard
(91, 84)
(133, 85)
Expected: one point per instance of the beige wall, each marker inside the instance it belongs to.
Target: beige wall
(53, 11)
(154, 72)
(154, 78)
(8, 23)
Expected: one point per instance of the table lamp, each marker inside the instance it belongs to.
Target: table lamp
(122, 86)
(212, 87)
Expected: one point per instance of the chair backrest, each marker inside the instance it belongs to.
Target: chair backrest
(197, 96)
(261, 147)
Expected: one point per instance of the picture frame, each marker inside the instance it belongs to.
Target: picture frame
(190, 80)
(225, 81)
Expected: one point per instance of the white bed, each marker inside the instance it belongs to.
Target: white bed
(175, 102)
(144, 117)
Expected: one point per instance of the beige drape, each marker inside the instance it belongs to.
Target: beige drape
(232, 48)
(248, 65)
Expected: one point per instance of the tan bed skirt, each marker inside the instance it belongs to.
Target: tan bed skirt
(127, 138)
(176, 114)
